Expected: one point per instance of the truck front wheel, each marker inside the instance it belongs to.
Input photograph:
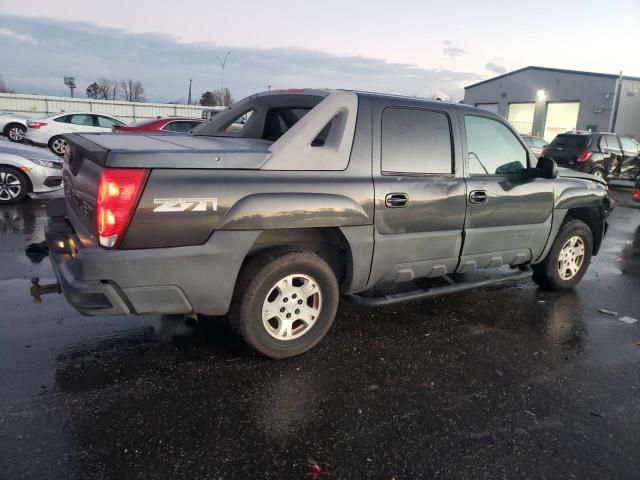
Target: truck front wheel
(285, 302)
(568, 260)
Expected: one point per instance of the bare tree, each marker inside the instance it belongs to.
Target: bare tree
(108, 89)
(131, 90)
(215, 98)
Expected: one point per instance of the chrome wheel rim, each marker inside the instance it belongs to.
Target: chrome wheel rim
(598, 173)
(59, 145)
(571, 258)
(291, 307)
(16, 134)
(10, 186)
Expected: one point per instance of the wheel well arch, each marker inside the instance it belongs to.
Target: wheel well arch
(327, 242)
(29, 184)
(593, 218)
(5, 131)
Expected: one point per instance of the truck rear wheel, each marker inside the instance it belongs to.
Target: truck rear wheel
(568, 260)
(284, 303)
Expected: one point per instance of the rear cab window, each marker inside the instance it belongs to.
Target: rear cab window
(492, 148)
(416, 142)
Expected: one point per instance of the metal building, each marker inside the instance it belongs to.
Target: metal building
(547, 101)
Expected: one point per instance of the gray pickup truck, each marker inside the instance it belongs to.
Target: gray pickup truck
(319, 194)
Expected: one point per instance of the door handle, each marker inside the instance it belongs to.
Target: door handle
(478, 196)
(396, 200)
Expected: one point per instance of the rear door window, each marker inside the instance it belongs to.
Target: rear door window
(63, 119)
(416, 141)
(492, 148)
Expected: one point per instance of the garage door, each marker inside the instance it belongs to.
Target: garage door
(520, 115)
(561, 117)
(492, 107)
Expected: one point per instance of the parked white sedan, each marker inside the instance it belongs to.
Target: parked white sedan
(25, 169)
(49, 130)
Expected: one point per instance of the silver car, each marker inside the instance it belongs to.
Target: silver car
(13, 126)
(536, 144)
(25, 170)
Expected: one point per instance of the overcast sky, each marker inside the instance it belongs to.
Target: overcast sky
(404, 46)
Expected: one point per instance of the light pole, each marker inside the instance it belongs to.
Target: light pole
(223, 63)
(71, 83)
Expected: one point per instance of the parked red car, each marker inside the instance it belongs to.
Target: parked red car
(166, 124)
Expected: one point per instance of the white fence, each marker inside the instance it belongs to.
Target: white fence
(40, 105)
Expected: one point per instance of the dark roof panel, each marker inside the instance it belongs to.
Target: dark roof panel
(554, 70)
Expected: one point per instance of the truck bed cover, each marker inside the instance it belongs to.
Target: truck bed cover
(171, 150)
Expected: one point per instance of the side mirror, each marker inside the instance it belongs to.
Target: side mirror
(547, 168)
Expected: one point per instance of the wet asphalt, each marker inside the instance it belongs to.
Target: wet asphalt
(497, 383)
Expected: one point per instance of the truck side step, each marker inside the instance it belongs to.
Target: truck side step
(453, 287)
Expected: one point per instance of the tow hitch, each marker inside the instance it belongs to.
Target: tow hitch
(37, 290)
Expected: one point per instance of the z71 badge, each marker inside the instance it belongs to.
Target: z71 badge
(185, 204)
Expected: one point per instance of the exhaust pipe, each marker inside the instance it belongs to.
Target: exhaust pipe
(191, 320)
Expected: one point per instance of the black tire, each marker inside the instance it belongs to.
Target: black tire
(599, 172)
(15, 132)
(547, 273)
(257, 283)
(10, 191)
(57, 145)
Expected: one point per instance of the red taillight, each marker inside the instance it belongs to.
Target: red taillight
(36, 124)
(118, 194)
(584, 156)
(636, 195)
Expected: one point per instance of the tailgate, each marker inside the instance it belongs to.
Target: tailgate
(83, 164)
(89, 155)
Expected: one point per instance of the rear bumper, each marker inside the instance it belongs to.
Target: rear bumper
(174, 280)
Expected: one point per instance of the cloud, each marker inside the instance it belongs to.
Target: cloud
(6, 32)
(495, 68)
(164, 65)
(451, 51)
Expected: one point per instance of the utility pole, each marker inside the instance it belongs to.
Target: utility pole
(189, 96)
(223, 63)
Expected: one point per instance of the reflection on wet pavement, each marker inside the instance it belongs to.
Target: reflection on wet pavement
(498, 383)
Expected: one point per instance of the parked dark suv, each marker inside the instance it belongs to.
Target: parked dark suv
(605, 155)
